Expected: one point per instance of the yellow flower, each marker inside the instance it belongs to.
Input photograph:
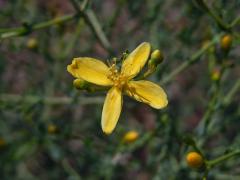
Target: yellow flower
(120, 82)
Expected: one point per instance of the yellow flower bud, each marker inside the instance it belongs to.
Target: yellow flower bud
(52, 129)
(32, 43)
(215, 75)
(194, 160)
(157, 56)
(130, 136)
(226, 42)
(80, 84)
(2, 142)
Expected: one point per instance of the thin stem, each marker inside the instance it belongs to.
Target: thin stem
(235, 22)
(193, 59)
(69, 169)
(215, 17)
(87, 14)
(231, 93)
(91, 19)
(13, 32)
(32, 99)
(206, 119)
(223, 158)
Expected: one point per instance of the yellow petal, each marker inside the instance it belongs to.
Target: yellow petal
(91, 70)
(147, 92)
(136, 60)
(111, 110)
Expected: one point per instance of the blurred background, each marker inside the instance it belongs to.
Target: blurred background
(50, 130)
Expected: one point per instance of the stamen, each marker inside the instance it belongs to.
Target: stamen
(118, 79)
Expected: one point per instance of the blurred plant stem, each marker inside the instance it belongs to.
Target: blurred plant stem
(219, 21)
(211, 13)
(193, 59)
(222, 158)
(82, 12)
(212, 106)
(231, 93)
(32, 99)
(235, 22)
(27, 29)
(71, 171)
(90, 18)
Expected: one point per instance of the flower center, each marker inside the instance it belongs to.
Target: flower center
(119, 80)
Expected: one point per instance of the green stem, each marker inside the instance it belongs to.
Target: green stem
(211, 108)
(223, 158)
(193, 59)
(91, 19)
(13, 32)
(231, 93)
(235, 22)
(69, 169)
(32, 99)
(215, 17)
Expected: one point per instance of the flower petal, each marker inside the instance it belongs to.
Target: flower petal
(111, 110)
(136, 60)
(147, 92)
(91, 70)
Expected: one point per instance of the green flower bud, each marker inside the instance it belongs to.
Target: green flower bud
(80, 84)
(32, 43)
(157, 57)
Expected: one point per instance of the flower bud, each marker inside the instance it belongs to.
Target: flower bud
(80, 84)
(157, 56)
(215, 75)
(194, 160)
(2, 143)
(32, 43)
(52, 129)
(130, 136)
(226, 42)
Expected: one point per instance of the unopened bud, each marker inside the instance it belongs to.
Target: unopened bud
(157, 56)
(32, 43)
(194, 160)
(215, 76)
(130, 136)
(2, 143)
(52, 129)
(226, 42)
(80, 84)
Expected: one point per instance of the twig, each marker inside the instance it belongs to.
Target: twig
(235, 22)
(231, 93)
(91, 19)
(13, 32)
(87, 14)
(220, 159)
(32, 99)
(69, 169)
(193, 59)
